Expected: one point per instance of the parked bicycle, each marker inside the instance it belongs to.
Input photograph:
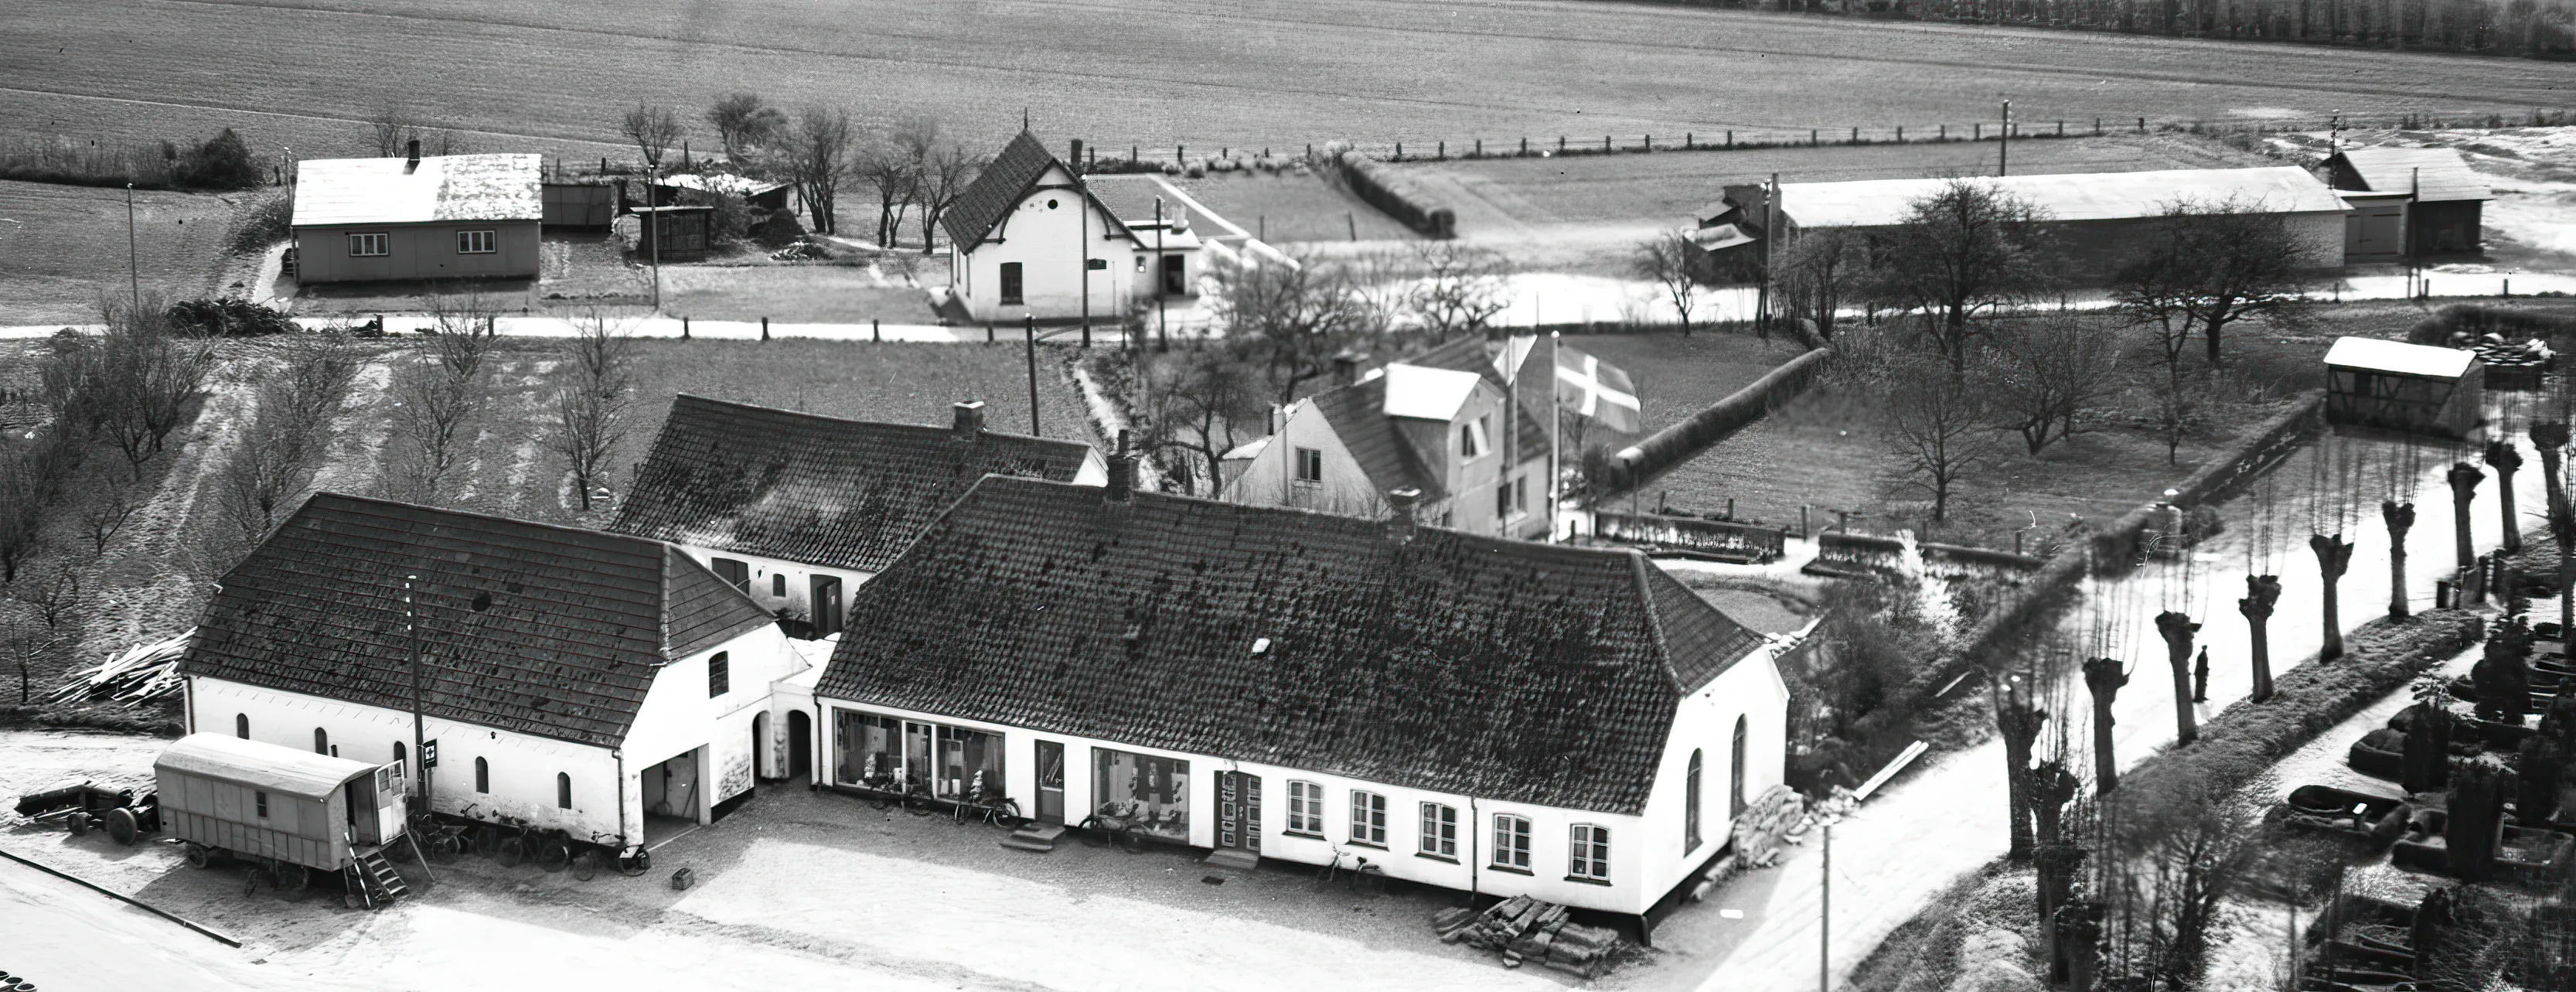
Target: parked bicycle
(1111, 831)
(1361, 876)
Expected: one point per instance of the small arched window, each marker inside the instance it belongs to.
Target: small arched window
(321, 741)
(400, 758)
(563, 790)
(482, 775)
(1735, 774)
(241, 725)
(1690, 806)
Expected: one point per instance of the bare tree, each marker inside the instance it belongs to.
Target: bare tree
(1959, 255)
(1461, 287)
(2185, 848)
(22, 512)
(1817, 274)
(1291, 317)
(654, 128)
(111, 504)
(439, 394)
(2046, 370)
(54, 595)
(394, 128)
(892, 163)
(277, 451)
(25, 644)
(143, 379)
(945, 174)
(590, 407)
(744, 123)
(2218, 263)
(1665, 261)
(814, 155)
(1194, 398)
(1940, 424)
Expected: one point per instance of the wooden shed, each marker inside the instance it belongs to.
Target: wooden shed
(2409, 388)
(2444, 199)
(686, 232)
(251, 799)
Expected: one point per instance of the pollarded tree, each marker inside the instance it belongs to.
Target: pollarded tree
(1960, 254)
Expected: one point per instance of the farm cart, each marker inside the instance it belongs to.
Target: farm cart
(288, 813)
(83, 806)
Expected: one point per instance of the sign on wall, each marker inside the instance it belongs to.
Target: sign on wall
(429, 754)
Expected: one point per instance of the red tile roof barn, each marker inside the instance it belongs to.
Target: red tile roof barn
(1446, 661)
(537, 629)
(819, 490)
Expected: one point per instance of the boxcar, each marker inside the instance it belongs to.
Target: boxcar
(271, 804)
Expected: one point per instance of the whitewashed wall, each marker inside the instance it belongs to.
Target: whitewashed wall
(1043, 239)
(1705, 721)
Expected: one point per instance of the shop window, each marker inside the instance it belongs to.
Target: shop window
(563, 790)
(970, 765)
(1149, 794)
(1439, 830)
(719, 674)
(1690, 806)
(1588, 859)
(871, 750)
(1305, 808)
(482, 775)
(890, 754)
(1368, 818)
(1512, 842)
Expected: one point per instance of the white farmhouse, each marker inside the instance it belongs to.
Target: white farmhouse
(1030, 239)
(1478, 713)
(602, 685)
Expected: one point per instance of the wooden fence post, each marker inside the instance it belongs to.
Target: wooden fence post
(1730, 139)
(1811, 137)
(1441, 151)
(1900, 134)
(1855, 136)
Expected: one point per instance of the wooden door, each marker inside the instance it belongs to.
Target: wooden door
(800, 745)
(1050, 782)
(1238, 811)
(826, 601)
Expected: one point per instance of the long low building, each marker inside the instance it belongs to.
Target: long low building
(2105, 219)
(440, 217)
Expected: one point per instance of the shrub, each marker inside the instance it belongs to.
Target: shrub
(222, 162)
(266, 221)
(778, 230)
(227, 317)
(2448, 325)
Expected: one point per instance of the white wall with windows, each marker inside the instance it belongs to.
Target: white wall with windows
(1750, 695)
(1330, 481)
(777, 583)
(1041, 236)
(439, 250)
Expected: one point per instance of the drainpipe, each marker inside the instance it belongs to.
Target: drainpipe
(620, 754)
(1475, 861)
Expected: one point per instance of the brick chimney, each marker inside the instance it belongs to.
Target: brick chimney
(970, 419)
(1402, 505)
(1076, 162)
(412, 148)
(1122, 472)
(1346, 367)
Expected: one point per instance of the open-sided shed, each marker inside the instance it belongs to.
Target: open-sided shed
(2410, 388)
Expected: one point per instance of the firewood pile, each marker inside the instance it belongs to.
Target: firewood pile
(142, 673)
(1525, 929)
(2510, 364)
(802, 250)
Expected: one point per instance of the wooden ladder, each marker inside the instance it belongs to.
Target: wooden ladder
(377, 880)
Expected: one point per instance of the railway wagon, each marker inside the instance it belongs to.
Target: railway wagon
(289, 811)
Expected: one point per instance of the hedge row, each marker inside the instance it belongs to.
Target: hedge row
(1400, 195)
(1681, 441)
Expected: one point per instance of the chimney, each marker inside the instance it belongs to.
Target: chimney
(1346, 367)
(1402, 504)
(970, 419)
(412, 148)
(1122, 472)
(1077, 156)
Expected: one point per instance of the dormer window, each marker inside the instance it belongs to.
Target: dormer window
(1471, 440)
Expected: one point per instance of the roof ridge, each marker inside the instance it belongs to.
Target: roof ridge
(450, 511)
(1654, 615)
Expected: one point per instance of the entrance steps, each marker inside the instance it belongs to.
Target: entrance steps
(1039, 837)
(1239, 861)
(378, 882)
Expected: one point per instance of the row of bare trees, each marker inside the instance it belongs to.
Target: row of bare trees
(280, 445)
(914, 168)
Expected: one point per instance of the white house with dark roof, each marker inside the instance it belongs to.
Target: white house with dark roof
(1029, 236)
(441, 217)
(1488, 715)
(606, 686)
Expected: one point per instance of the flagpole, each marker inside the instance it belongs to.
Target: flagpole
(1555, 471)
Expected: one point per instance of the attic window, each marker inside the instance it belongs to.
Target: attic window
(1260, 645)
(482, 601)
(1050, 203)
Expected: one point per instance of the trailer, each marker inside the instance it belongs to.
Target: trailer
(288, 813)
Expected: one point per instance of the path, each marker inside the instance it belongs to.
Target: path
(1947, 818)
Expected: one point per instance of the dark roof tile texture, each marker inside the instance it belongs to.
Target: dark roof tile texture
(1508, 670)
(543, 630)
(819, 490)
(2444, 175)
(996, 190)
(1358, 415)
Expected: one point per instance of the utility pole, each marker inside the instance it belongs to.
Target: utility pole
(1030, 321)
(419, 721)
(1825, 921)
(2003, 144)
(1770, 238)
(1162, 322)
(133, 269)
(653, 209)
(1082, 203)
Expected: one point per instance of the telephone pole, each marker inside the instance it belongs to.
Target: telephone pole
(1825, 921)
(419, 720)
(133, 269)
(2003, 145)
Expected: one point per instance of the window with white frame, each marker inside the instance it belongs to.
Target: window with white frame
(1471, 440)
(477, 242)
(1305, 808)
(1310, 465)
(1511, 841)
(370, 245)
(1439, 830)
(1368, 818)
(1588, 859)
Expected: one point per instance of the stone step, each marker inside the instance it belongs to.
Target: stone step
(1039, 837)
(1233, 859)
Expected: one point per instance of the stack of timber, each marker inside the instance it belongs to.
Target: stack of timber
(142, 673)
(1525, 929)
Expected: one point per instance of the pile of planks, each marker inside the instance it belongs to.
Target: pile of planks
(1526, 929)
(141, 674)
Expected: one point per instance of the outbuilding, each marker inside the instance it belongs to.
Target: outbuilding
(2442, 198)
(2408, 388)
(441, 217)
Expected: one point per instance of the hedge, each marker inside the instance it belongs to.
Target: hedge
(1399, 195)
(1681, 441)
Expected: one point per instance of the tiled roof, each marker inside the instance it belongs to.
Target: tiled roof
(439, 188)
(1358, 415)
(1474, 354)
(543, 630)
(2444, 175)
(998, 189)
(1502, 669)
(819, 490)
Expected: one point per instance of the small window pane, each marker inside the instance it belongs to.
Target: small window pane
(1440, 830)
(719, 674)
(1368, 818)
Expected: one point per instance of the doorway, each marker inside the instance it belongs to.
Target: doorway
(1050, 782)
(762, 764)
(671, 788)
(827, 605)
(800, 745)
(1175, 271)
(1238, 811)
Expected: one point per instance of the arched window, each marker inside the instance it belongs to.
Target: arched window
(1735, 774)
(399, 758)
(563, 791)
(482, 775)
(241, 725)
(321, 741)
(1690, 806)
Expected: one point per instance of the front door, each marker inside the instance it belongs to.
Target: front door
(1238, 811)
(1175, 269)
(800, 745)
(827, 605)
(1050, 782)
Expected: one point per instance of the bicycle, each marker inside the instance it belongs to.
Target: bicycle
(1360, 877)
(1110, 831)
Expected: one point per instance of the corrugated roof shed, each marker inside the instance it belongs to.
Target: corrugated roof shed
(2445, 176)
(441, 188)
(2399, 357)
(543, 630)
(2069, 197)
(820, 490)
(273, 767)
(1503, 669)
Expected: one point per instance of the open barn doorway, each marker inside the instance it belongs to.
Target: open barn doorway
(674, 802)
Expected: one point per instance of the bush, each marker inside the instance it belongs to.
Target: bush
(228, 318)
(2445, 328)
(266, 221)
(222, 162)
(778, 230)
(74, 163)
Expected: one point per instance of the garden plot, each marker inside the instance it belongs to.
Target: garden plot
(62, 247)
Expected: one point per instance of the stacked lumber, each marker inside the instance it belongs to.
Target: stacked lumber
(142, 673)
(1525, 929)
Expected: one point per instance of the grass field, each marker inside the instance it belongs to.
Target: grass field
(551, 77)
(1280, 208)
(62, 246)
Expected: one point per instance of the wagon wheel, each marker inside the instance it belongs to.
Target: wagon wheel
(446, 849)
(554, 855)
(632, 865)
(352, 900)
(586, 866)
(78, 823)
(292, 878)
(511, 852)
(121, 826)
(198, 856)
(250, 880)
